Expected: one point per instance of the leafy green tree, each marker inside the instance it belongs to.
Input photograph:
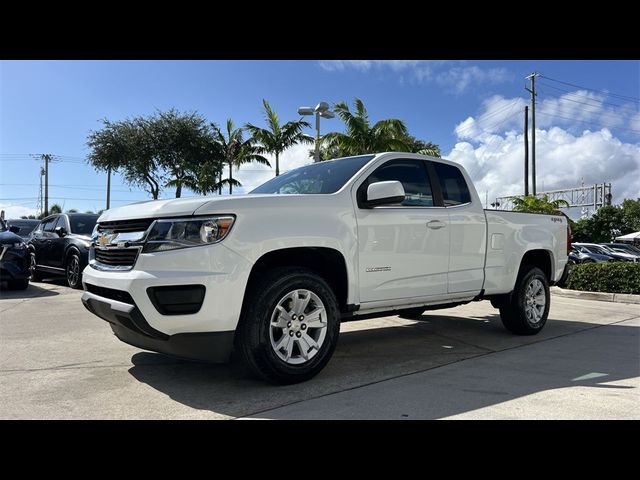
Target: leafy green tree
(542, 204)
(361, 137)
(276, 138)
(422, 147)
(181, 142)
(608, 222)
(236, 151)
(53, 210)
(72, 210)
(631, 215)
(127, 147)
(164, 149)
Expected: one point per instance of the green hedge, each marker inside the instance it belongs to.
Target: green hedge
(612, 277)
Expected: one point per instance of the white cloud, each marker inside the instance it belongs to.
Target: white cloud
(365, 65)
(453, 77)
(458, 79)
(562, 161)
(16, 211)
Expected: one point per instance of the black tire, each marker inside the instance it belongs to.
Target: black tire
(253, 337)
(19, 284)
(411, 313)
(514, 313)
(35, 275)
(73, 270)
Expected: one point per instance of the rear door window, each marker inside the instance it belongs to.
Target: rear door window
(454, 188)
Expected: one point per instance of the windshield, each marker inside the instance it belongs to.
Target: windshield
(26, 227)
(597, 249)
(317, 178)
(82, 224)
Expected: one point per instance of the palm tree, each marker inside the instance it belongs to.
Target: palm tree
(277, 138)
(236, 151)
(542, 204)
(385, 135)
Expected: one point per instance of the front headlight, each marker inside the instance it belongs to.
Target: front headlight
(17, 245)
(170, 234)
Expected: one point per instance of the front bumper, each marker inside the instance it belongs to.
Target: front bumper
(130, 326)
(14, 263)
(222, 272)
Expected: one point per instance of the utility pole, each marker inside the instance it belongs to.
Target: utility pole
(526, 150)
(108, 188)
(532, 91)
(46, 157)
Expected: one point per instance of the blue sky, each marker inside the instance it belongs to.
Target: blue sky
(472, 109)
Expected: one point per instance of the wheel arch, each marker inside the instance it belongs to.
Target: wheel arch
(540, 258)
(71, 249)
(327, 262)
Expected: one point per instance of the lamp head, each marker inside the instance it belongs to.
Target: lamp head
(305, 111)
(322, 107)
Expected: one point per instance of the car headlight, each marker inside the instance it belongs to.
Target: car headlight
(17, 245)
(170, 234)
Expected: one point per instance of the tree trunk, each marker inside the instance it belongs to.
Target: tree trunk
(277, 164)
(230, 178)
(178, 190)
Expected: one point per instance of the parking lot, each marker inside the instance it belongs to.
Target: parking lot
(57, 361)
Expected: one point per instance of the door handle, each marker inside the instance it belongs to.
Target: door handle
(436, 224)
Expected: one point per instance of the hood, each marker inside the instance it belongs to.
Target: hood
(155, 208)
(203, 206)
(10, 237)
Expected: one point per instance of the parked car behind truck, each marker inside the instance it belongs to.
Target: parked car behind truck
(59, 246)
(274, 272)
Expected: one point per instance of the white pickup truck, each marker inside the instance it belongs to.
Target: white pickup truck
(273, 273)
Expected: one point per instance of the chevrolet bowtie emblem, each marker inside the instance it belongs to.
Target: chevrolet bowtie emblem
(104, 240)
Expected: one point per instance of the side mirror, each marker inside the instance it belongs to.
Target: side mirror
(14, 229)
(61, 231)
(385, 193)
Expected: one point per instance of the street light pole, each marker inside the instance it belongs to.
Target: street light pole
(321, 110)
(316, 155)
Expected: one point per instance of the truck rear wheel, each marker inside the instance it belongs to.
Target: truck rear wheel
(289, 326)
(527, 310)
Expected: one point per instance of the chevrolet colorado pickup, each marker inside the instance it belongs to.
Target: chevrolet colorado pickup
(272, 274)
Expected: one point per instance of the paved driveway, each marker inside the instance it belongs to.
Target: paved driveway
(59, 361)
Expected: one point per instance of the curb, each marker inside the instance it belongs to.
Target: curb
(600, 296)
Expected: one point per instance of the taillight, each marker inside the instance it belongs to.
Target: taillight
(569, 238)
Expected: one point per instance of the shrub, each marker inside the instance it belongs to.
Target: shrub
(612, 277)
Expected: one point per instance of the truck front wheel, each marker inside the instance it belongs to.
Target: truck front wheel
(289, 327)
(526, 311)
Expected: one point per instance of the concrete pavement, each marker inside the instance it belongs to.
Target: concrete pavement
(59, 361)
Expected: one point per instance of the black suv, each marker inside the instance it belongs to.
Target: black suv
(14, 258)
(60, 245)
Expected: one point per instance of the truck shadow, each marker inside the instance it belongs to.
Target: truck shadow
(368, 356)
(34, 290)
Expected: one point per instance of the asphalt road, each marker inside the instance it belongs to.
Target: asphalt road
(57, 361)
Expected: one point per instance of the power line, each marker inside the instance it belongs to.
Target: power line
(569, 92)
(609, 113)
(588, 122)
(616, 95)
(495, 112)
